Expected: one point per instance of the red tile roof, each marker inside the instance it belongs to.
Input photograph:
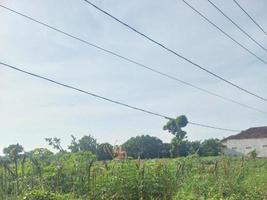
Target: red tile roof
(256, 132)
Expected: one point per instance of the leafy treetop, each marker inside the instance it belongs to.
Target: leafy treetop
(174, 126)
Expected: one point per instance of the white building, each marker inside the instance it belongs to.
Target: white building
(247, 141)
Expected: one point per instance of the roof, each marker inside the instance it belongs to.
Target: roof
(256, 132)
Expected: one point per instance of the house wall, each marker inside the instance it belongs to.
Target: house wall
(239, 147)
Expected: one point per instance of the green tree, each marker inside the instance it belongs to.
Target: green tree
(14, 152)
(174, 126)
(184, 148)
(194, 147)
(41, 154)
(74, 146)
(104, 151)
(143, 146)
(210, 147)
(179, 148)
(55, 143)
(86, 143)
(165, 151)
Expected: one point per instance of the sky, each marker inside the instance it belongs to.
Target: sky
(32, 109)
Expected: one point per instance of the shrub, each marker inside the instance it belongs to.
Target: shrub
(253, 154)
(41, 195)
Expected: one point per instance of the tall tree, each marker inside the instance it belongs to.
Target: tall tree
(104, 151)
(174, 126)
(13, 152)
(74, 146)
(143, 146)
(86, 143)
(184, 148)
(165, 151)
(210, 147)
(55, 143)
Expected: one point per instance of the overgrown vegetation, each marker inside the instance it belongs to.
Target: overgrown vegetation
(88, 170)
(65, 175)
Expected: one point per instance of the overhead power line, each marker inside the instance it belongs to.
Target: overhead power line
(212, 127)
(223, 32)
(177, 54)
(250, 17)
(236, 25)
(108, 99)
(134, 62)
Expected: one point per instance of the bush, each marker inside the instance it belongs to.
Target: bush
(253, 154)
(41, 195)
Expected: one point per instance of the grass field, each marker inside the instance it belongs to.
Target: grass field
(74, 177)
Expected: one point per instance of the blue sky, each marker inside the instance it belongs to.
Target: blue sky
(31, 109)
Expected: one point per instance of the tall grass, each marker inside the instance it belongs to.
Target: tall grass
(71, 176)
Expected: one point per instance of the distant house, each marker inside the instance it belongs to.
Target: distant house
(247, 141)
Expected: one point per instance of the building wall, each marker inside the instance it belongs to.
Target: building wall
(244, 146)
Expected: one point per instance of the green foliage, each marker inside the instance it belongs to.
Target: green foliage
(40, 195)
(104, 151)
(184, 148)
(45, 195)
(174, 126)
(86, 143)
(74, 146)
(41, 153)
(143, 146)
(13, 151)
(165, 150)
(210, 147)
(79, 176)
(253, 154)
(55, 143)
(41, 174)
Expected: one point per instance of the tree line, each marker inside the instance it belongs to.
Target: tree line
(74, 170)
(143, 146)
